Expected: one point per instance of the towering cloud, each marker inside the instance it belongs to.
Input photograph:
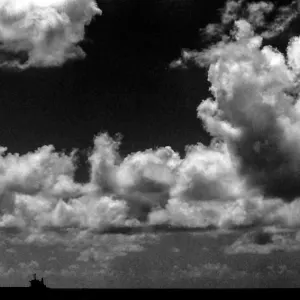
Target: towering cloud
(256, 108)
(43, 32)
(143, 179)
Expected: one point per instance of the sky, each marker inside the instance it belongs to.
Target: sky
(126, 70)
(126, 122)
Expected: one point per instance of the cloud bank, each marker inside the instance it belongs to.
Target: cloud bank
(247, 176)
(43, 33)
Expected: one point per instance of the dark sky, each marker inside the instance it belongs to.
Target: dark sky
(124, 84)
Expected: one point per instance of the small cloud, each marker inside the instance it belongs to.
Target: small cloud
(23, 269)
(11, 250)
(265, 242)
(175, 249)
(102, 251)
(208, 270)
(50, 272)
(43, 238)
(6, 272)
(29, 267)
(279, 270)
(72, 270)
(52, 258)
(265, 18)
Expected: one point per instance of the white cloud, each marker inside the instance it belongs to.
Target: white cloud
(215, 271)
(265, 241)
(101, 250)
(246, 176)
(265, 18)
(48, 31)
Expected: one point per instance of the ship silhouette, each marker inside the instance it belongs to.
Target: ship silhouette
(35, 283)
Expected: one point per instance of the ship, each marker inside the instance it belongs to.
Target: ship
(36, 283)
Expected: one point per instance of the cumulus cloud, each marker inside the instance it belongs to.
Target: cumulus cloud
(255, 105)
(202, 190)
(29, 267)
(42, 216)
(11, 251)
(247, 176)
(6, 272)
(31, 184)
(208, 275)
(208, 173)
(265, 241)
(272, 23)
(96, 254)
(99, 251)
(143, 179)
(70, 271)
(267, 19)
(23, 269)
(42, 171)
(43, 33)
(249, 85)
(221, 214)
(279, 270)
